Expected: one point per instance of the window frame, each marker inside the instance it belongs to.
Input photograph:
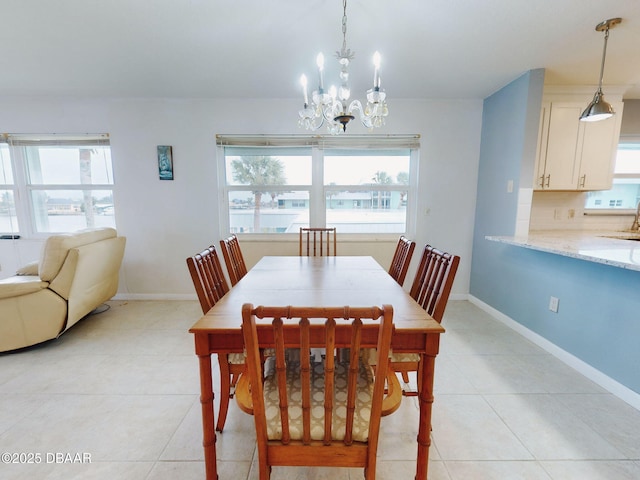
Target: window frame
(608, 210)
(317, 190)
(23, 188)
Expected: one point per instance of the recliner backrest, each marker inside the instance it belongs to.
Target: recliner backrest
(55, 249)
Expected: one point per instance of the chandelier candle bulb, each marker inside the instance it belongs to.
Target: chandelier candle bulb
(376, 72)
(320, 63)
(303, 82)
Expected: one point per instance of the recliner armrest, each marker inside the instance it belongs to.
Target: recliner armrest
(21, 285)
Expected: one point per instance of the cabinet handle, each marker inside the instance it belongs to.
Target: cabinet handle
(583, 180)
(541, 181)
(548, 178)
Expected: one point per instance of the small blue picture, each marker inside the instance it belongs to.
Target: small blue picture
(165, 162)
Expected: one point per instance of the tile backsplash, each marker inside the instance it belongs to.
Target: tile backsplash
(565, 211)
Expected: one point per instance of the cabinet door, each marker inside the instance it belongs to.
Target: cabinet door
(543, 133)
(561, 167)
(598, 150)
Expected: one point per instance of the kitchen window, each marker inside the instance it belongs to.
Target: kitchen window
(55, 183)
(625, 193)
(360, 185)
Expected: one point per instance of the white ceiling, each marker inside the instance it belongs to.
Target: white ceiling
(258, 48)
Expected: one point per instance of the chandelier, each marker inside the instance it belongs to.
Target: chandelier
(332, 106)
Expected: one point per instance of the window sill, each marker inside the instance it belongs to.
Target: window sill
(342, 237)
(610, 211)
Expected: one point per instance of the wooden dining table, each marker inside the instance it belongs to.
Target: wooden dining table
(317, 282)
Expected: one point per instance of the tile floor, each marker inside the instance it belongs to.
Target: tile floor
(121, 388)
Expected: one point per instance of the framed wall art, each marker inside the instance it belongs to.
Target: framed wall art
(165, 162)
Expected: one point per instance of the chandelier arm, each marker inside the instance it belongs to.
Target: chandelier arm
(365, 119)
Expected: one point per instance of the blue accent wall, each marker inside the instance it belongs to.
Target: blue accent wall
(598, 320)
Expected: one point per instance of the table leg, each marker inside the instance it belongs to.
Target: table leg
(425, 396)
(209, 433)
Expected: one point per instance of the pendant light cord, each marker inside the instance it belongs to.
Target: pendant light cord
(604, 56)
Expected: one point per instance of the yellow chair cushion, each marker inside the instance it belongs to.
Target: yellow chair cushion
(236, 358)
(404, 357)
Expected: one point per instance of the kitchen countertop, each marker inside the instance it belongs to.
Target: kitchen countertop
(592, 246)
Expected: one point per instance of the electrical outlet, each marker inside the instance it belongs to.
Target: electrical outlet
(553, 304)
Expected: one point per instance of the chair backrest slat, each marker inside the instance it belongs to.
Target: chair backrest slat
(329, 379)
(207, 277)
(305, 376)
(401, 259)
(433, 281)
(281, 372)
(233, 258)
(317, 242)
(352, 378)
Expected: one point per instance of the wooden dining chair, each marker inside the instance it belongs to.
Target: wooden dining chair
(431, 288)
(318, 242)
(316, 413)
(233, 258)
(401, 259)
(210, 284)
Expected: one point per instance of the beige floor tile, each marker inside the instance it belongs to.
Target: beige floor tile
(553, 376)
(550, 430)
(123, 386)
(488, 470)
(449, 378)
(109, 427)
(496, 374)
(49, 470)
(592, 470)
(401, 470)
(490, 341)
(465, 427)
(613, 419)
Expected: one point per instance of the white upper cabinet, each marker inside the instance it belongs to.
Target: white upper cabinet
(575, 155)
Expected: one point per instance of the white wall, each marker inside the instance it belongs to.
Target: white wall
(165, 221)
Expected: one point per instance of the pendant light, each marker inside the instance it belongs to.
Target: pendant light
(599, 109)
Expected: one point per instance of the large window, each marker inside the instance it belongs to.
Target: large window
(55, 183)
(355, 185)
(625, 192)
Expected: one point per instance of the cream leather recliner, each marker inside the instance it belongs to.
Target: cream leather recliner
(76, 273)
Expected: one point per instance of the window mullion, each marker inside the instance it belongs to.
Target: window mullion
(412, 194)
(317, 213)
(22, 197)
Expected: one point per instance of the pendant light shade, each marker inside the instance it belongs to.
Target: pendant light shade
(599, 109)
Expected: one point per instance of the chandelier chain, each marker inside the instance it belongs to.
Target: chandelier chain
(344, 25)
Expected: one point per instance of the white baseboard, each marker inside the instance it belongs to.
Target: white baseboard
(593, 374)
(155, 296)
(458, 296)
